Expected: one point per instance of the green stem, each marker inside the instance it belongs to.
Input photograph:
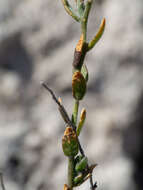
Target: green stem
(75, 112)
(70, 172)
(85, 18)
(84, 28)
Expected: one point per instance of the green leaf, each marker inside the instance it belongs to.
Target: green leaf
(84, 72)
(80, 7)
(81, 166)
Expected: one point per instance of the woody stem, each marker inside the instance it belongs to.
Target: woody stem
(70, 171)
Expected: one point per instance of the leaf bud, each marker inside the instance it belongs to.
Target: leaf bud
(66, 187)
(78, 85)
(81, 122)
(84, 72)
(79, 54)
(70, 142)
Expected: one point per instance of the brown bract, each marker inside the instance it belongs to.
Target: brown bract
(79, 45)
(78, 85)
(70, 142)
(66, 187)
(69, 132)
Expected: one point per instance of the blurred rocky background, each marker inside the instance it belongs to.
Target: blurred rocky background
(37, 41)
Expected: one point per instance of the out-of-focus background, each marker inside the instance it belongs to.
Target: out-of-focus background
(37, 41)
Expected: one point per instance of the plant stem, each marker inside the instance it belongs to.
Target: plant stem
(75, 112)
(85, 19)
(83, 28)
(70, 172)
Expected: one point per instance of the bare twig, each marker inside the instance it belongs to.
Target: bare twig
(2, 181)
(61, 107)
(69, 122)
(91, 183)
(64, 114)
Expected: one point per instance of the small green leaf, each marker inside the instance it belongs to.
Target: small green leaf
(98, 35)
(80, 7)
(81, 122)
(81, 166)
(84, 71)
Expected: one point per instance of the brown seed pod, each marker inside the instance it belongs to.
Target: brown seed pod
(70, 142)
(78, 85)
(66, 187)
(79, 54)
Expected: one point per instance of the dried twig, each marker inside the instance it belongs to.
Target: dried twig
(2, 181)
(63, 113)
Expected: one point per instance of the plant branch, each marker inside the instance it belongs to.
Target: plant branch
(81, 122)
(85, 18)
(61, 107)
(70, 142)
(70, 172)
(70, 11)
(97, 37)
(64, 114)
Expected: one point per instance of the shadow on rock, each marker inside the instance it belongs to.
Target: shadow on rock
(15, 58)
(133, 143)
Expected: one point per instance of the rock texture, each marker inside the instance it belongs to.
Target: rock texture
(37, 41)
